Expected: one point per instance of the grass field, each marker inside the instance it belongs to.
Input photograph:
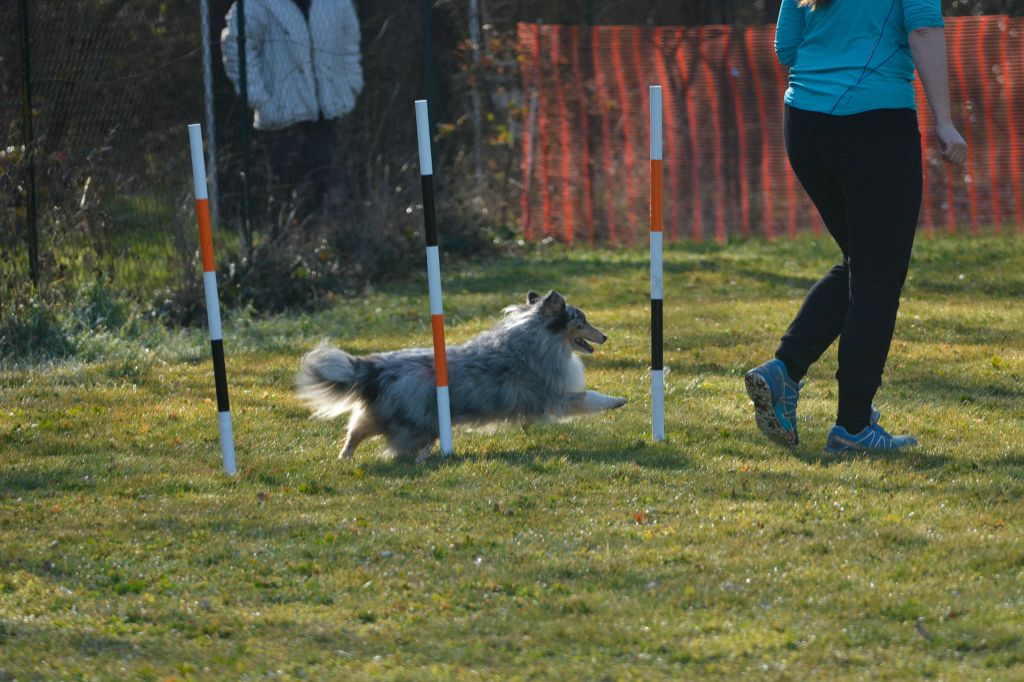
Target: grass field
(576, 551)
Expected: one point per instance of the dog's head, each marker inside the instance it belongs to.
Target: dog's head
(567, 321)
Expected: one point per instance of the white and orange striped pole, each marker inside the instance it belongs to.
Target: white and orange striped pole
(657, 291)
(227, 438)
(444, 411)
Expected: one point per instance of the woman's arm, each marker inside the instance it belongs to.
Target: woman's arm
(352, 37)
(254, 30)
(789, 31)
(928, 46)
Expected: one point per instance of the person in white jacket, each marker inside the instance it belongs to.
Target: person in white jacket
(303, 72)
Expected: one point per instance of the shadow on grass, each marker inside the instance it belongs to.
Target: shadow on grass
(777, 280)
(685, 369)
(961, 389)
(49, 481)
(537, 460)
(914, 459)
(958, 331)
(558, 271)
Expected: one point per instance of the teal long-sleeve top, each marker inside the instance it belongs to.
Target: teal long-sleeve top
(851, 56)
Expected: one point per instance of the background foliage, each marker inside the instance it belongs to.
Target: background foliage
(116, 81)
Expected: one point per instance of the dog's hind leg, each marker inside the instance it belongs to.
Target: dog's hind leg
(360, 427)
(409, 442)
(590, 402)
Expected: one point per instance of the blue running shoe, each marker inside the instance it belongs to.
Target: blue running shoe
(775, 396)
(872, 437)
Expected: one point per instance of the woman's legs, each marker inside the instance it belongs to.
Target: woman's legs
(300, 158)
(823, 313)
(774, 387)
(863, 172)
(880, 161)
(319, 148)
(285, 148)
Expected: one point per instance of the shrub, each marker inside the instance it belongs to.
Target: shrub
(96, 307)
(31, 329)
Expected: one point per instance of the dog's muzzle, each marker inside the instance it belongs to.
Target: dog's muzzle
(582, 344)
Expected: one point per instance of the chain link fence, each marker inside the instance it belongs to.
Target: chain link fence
(111, 84)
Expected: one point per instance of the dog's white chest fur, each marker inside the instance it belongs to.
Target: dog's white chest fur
(574, 377)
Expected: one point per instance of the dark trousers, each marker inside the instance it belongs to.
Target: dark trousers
(300, 158)
(863, 173)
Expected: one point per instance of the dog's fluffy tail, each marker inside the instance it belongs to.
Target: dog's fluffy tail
(326, 381)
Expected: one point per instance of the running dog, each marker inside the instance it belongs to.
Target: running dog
(526, 369)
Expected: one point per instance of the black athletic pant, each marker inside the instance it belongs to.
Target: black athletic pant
(300, 158)
(863, 173)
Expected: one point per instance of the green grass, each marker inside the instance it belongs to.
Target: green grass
(578, 551)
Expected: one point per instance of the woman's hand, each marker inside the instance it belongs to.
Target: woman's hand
(951, 143)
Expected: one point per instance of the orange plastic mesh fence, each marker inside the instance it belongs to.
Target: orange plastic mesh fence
(585, 133)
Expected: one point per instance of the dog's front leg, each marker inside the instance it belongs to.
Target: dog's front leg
(424, 454)
(591, 402)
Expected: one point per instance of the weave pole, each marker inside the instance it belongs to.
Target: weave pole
(444, 410)
(657, 293)
(227, 438)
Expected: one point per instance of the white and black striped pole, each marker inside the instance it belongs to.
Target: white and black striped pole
(444, 411)
(657, 293)
(227, 438)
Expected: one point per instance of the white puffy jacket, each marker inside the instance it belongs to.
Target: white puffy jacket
(296, 70)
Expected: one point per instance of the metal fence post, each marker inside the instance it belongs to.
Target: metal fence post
(429, 72)
(428, 62)
(211, 138)
(31, 222)
(474, 38)
(243, 86)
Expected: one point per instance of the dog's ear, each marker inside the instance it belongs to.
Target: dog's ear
(553, 302)
(532, 297)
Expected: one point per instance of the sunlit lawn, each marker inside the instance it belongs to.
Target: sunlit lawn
(575, 551)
